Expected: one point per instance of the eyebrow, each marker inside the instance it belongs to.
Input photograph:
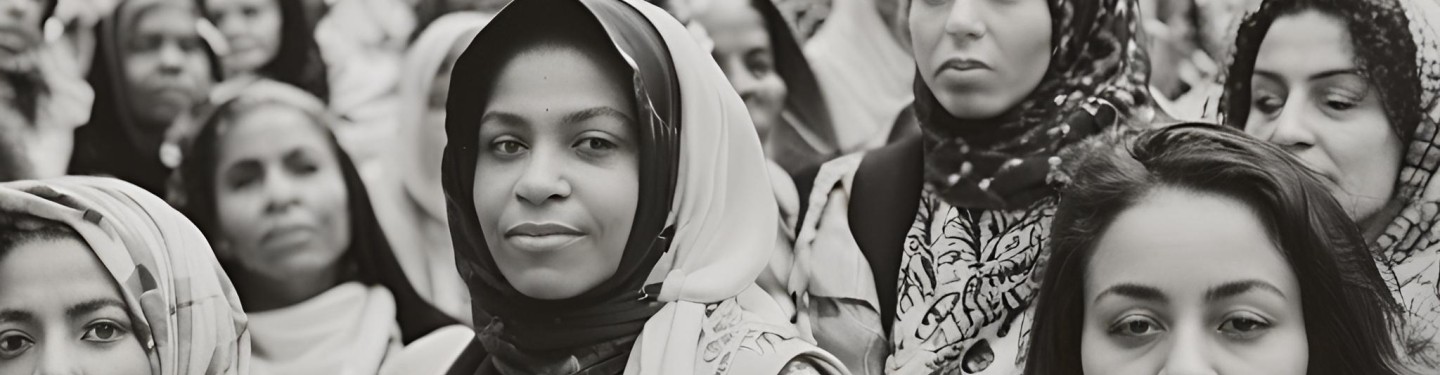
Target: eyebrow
(1135, 291)
(508, 118)
(1236, 288)
(1313, 77)
(7, 316)
(91, 306)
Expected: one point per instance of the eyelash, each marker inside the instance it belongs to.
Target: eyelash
(24, 343)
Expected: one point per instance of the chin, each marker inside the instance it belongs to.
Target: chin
(970, 107)
(549, 284)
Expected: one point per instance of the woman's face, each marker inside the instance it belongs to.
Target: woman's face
(280, 195)
(1191, 283)
(980, 57)
(20, 26)
(165, 65)
(61, 313)
(557, 179)
(1308, 95)
(252, 29)
(743, 50)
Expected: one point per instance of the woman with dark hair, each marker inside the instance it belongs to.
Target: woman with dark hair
(1351, 88)
(270, 38)
(920, 256)
(1197, 249)
(290, 220)
(150, 67)
(609, 202)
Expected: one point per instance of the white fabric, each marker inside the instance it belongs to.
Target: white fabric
(347, 330)
(865, 73)
(362, 42)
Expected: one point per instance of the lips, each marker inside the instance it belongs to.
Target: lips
(288, 236)
(540, 237)
(963, 65)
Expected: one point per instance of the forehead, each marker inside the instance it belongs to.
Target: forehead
(50, 275)
(1185, 240)
(1305, 43)
(170, 18)
(269, 130)
(555, 80)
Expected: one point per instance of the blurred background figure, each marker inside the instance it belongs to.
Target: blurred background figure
(151, 65)
(363, 43)
(292, 223)
(860, 56)
(427, 11)
(43, 96)
(1189, 40)
(409, 199)
(270, 38)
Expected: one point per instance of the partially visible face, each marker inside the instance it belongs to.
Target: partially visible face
(980, 57)
(20, 22)
(557, 180)
(252, 28)
(1191, 283)
(61, 313)
(280, 195)
(1308, 96)
(165, 65)
(745, 54)
(432, 135)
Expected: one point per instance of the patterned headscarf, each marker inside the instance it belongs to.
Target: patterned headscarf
(1397, 44)
(1098, 69)
(187, 315)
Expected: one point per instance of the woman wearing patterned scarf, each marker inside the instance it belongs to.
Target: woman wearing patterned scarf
(947, 229)
(1350, 87)
(100, 276)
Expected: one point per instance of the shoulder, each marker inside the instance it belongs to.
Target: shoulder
(735, 340)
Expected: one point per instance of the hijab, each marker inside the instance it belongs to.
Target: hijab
(192, 190)
(112, 142)
(1397, 44)
(1097, 76)
(297, 61)
(187, 314)
(704, 226)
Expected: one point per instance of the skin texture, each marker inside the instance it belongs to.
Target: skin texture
(60, 313)
(1190, 283)
(1010, 37)
(251, 28)
(165, 65)
(745, 54)
(282, 206)
(19, 27)
(558, 146)
(1307, 96)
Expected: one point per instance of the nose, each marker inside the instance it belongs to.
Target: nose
(280, 192)
(172, 57)
(542, 178)
(57, 359)
(1292, 130)
(965, 20)
(1188, 354)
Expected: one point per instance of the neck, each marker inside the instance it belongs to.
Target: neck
(266, 292)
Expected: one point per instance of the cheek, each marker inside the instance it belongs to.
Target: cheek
(238, 214)
(493, 190)
(927, 25)
(332, 206)
(127, 357)
(611, 197)
(1286, 352)
(1369, 156)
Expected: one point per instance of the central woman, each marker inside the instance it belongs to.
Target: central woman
(609, 201)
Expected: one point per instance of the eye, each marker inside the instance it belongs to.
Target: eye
(1244, 326)
(14, 343)
(1341, 101)
(1136, 326)
(105, 331)
(597, 144)
(507, 147)
(1267, 103)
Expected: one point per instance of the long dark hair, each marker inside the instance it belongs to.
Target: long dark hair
(1350, 315)
(298, 61)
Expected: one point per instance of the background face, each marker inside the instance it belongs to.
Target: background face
(744, 52)
(557, 180)
(252, 28)
(980, 57)
(165, 66)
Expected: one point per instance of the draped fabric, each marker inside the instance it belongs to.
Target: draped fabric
(864, 72)
(192, 190)
(187, 314)
(1398, 47)
(682, 299)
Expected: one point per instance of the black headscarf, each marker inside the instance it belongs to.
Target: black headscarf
(111, 143)
(1097, 77)
(298, 61)
(597, 327)
(373, 261)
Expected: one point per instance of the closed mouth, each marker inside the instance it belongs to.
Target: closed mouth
(963, 65)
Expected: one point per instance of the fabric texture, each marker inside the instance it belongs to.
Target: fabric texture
(1408, 250)
(349, 329)
(863, 70)
(187, 314)
(375, 264)
(683, 299)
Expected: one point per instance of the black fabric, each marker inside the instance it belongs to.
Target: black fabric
(883, 203)
(616, 308)
(471, 360)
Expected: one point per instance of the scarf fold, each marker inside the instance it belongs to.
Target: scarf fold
(1098, 73)
(187, 314)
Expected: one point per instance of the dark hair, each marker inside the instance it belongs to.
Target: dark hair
(1350, 315)
(297, 61)
(1384, 51)
(19, 228)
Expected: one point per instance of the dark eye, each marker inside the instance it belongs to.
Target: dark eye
(250, 12)
(13, 344)
(597, 144)
(1136, 326)
(1244, 327)
(507, 147)
(104, 332)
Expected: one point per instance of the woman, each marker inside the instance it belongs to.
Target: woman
(410, 201)
(1199, 249)
(1349, 87)
(151, 66)
(760, 55)
(946, 229)
(270, 38)
(290, 220)
(610, 213)
(150, 296)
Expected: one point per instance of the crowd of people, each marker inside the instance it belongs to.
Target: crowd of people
(834, 187)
